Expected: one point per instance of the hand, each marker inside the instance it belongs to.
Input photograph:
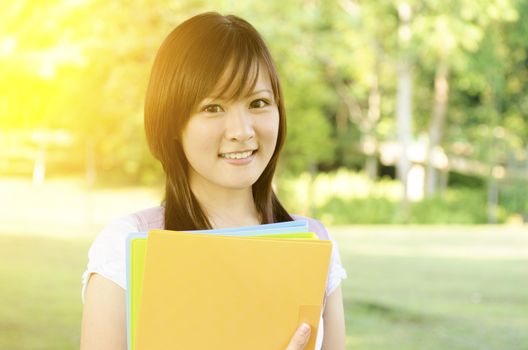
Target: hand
(300, 338)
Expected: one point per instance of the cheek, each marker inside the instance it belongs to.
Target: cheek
(273, 131)
(193, 144)
(270, 130)
(199, 138)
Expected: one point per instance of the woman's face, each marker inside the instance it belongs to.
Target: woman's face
(229, 143)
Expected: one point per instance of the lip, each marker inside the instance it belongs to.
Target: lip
(242, 151)
(243, 161)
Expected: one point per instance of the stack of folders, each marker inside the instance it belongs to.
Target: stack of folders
(241, 288)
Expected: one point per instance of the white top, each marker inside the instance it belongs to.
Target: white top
(107, 252)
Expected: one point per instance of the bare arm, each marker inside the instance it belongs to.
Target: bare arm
(104, 316)
(334, 322)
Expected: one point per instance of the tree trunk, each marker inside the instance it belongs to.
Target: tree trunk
(373, 116)
(91, 173)
(342, 119)
(493, 200)
(404, 101)
(39, 166)
(436, 125)
(90, 177)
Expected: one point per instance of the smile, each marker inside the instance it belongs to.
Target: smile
(237, 155)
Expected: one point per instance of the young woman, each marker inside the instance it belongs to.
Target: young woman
(215, 119)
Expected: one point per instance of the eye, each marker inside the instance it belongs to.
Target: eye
(212, 109)
(260, 103)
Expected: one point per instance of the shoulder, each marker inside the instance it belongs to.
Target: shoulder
(111, 239)
(314, 226)
(107, 252)
(151, 218)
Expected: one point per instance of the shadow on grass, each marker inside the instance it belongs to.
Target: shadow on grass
(391, 313)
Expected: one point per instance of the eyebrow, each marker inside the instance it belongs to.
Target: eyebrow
(259, 91)
(220, 98)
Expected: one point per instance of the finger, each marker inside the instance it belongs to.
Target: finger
(300, 338)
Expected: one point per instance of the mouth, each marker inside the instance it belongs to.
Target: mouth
(238, 155)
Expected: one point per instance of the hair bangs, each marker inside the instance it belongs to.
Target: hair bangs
(233, 73)
(238, 79)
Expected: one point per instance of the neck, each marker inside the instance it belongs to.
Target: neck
(226, 207)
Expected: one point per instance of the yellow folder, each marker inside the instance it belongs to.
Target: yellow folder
(206, 292)
(137, 250)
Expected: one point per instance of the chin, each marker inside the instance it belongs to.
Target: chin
(242, 184)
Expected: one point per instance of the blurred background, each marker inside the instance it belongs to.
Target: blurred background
(407, 137)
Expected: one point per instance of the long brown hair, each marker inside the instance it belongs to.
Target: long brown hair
(186, 69)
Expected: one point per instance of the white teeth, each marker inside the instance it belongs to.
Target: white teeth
(236, 155)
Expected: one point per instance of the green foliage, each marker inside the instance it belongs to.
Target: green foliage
(83, 68)
(346, 197)
(358, 211)
(455, 206)
(457, 179)
(513, 196)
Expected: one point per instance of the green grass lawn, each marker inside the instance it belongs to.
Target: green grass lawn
(40, 297)
(408, 288)
(436, 287)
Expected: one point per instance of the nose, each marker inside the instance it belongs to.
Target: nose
(239, 125)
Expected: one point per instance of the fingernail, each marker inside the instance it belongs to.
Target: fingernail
(305, 329)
